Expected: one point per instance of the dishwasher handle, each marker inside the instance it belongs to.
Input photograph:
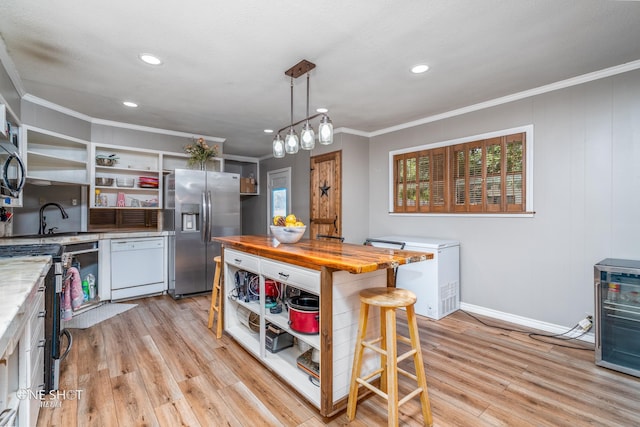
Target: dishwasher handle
(137, 244)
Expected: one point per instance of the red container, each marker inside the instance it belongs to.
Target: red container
(271, 288)
(304, 314)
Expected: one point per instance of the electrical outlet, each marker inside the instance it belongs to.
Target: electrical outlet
(74, 202)
(42, 201)
(585, 324)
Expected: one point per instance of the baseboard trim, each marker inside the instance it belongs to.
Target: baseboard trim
(523, 321)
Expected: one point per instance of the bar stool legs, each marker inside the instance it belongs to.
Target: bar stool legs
(388, 299)
(215, 299)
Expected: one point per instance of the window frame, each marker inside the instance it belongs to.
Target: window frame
(450, 208)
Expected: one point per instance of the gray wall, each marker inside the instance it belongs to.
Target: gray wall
(139, 139)
(9, 91)
(355, 177)
(45, 118)
(26, 220)
(300, 177)
(586, 198)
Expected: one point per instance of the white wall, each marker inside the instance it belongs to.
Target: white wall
(586, 199)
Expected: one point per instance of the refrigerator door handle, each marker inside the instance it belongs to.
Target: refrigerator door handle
(204, 221)
(209, 217)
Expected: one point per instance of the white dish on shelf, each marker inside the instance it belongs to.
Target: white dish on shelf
(125, 182)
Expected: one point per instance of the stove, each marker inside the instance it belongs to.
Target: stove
(35, 249)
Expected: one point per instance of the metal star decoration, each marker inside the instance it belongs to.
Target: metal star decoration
(325, 189)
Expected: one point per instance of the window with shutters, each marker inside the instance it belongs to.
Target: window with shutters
(485, 175)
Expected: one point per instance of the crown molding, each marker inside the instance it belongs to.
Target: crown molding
(55, 107)
(50, 105)
(574, 81)
(156, 130)
(352, 132)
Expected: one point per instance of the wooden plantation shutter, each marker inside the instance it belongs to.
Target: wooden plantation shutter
(494, 178)
(483, 176)
(439, 179)
(515, 173)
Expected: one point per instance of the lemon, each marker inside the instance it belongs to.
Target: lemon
(291, 218)
(299, 224)
(276, 219)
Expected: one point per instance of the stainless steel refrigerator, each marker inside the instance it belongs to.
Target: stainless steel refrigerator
(198, 205)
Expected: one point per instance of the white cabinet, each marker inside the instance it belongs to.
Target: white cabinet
(126, 190)
(55, 157)
(250, 323)
(247, 319)
(32, 352)
(22, 364)
(249, 170)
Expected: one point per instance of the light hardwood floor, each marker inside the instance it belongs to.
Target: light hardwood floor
(158, 364)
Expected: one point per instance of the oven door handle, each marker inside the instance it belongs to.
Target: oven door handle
(66, 333)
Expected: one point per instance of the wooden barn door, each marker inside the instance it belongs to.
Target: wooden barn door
(326, 195)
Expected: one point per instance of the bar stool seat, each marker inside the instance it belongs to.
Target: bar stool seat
(215, 299)
(388, 300)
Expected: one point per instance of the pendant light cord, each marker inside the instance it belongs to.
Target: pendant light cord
(307, 96)
(291, 102)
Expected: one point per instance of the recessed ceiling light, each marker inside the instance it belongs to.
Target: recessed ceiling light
(130, 104)
(150, 59)
(322, 110)
(418, 69)
(268, 131)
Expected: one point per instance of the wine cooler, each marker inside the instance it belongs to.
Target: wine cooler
(617, 316)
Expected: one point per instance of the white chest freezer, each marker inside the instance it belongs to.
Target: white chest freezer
(435, 282)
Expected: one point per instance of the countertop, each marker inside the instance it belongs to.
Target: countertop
(85, 236)
(18, 277)
(315, 254)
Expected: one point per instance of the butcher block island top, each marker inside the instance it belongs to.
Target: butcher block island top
(315, 254)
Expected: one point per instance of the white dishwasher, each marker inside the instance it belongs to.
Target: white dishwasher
(137, 267)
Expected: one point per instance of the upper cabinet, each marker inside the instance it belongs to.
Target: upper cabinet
(249, 170)
(55, 157)
(129, 178)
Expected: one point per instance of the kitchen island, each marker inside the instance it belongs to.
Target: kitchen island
(335, 273)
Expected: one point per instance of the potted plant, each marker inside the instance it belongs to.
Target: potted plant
(200, 153)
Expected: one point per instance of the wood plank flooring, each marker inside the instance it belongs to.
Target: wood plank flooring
(159, 365)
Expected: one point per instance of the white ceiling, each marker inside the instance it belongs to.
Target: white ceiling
(224, 61)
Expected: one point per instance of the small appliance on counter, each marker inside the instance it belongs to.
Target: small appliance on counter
(277, 339)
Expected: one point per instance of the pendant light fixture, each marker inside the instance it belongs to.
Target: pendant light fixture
(291, 143)
(291, 140)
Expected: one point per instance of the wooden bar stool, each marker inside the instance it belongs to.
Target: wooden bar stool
(215, 298)
(389, 299)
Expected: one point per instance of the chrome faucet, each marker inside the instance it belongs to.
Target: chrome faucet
(43, 224)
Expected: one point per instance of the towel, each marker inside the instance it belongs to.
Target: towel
(72, 295)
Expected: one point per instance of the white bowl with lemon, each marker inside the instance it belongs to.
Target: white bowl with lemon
(287, 229)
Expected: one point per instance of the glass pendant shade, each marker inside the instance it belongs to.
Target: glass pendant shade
(291, 142)
(278, 147)
(307, 137)
(325, 131)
